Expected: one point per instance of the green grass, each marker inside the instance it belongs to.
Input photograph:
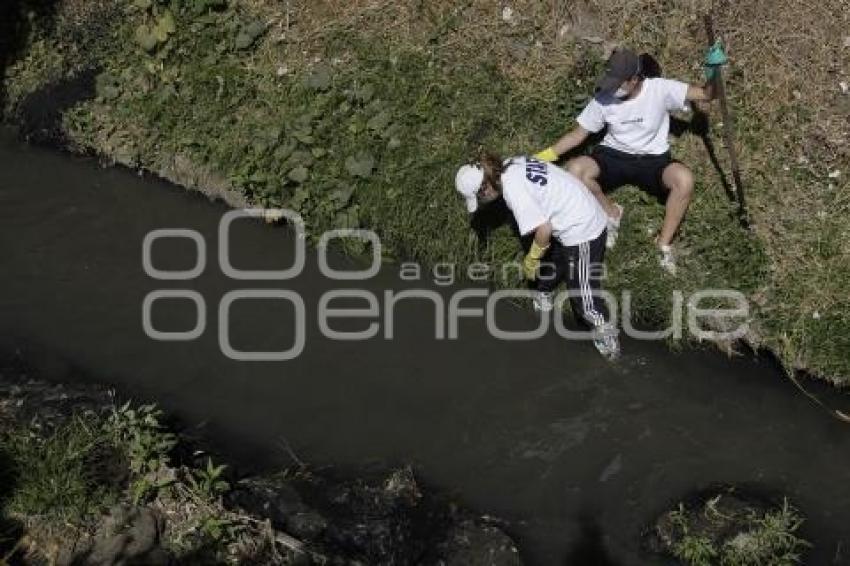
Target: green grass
(59, 479)
(287, 143)
(702, 536)
(54, 473)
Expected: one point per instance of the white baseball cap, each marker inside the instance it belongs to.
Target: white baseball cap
(467, 182)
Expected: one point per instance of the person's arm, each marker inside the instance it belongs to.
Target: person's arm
(541, 242)
(530, 219)
(570, 140)
(704, 93)
(714, 59)
(543, 235)
(590, 120)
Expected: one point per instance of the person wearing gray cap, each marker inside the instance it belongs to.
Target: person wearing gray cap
(635, 150)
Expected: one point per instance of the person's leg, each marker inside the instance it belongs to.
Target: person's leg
(585, 283)
(588, 171)
(583, 280)
(678, 180)
(552, 269)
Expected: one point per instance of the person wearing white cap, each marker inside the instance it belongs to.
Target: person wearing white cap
(569, 228)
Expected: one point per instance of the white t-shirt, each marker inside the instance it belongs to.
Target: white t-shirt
(640, 125)
(537, 192)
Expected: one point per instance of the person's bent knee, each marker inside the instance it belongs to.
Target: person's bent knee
(577, 167)
(585, 169)
(685, 184)
(682, 182)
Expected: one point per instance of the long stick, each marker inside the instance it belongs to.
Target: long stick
(728, 133)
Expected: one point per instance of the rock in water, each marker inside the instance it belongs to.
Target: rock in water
(127, 536)
(474, 544)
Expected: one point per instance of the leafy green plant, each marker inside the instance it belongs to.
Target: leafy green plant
(147, 444)
(772, 541)
(207, 482)
(693, 549)
(158, 26)
(217, 528)
(763, 538)
(696, 551)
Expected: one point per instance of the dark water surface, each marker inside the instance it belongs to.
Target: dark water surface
(578, 455)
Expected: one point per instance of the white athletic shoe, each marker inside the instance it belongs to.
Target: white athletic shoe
(613, 229)
(543, 302)
(607, 342)
(667, 260)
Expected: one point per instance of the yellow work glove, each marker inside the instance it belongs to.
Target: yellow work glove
(547, 154)
(531, 263)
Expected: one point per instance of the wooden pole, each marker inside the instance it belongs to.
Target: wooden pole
(728, 131)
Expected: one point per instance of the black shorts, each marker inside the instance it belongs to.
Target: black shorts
(617, 168)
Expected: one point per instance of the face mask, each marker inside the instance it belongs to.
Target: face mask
(621, 93)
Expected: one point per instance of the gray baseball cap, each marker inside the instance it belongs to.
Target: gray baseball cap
(622, 65)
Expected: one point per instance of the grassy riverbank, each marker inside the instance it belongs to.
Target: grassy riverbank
(86, 481)
(358, 115)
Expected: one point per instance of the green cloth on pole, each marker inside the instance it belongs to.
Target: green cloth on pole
(714, 57)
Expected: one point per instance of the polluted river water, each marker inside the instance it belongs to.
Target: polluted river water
(576, 455)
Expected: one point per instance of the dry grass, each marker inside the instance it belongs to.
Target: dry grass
(787, 62)
(521, 46)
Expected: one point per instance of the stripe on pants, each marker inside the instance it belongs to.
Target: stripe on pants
(590, 313)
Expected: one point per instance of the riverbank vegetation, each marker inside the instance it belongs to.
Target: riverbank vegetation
(721, 526)
(96, 486)
(85, 479)
(357, 114)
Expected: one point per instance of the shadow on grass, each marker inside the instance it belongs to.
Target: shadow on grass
(491, 217)
(40, 113)
(17, 23)
(700, 126)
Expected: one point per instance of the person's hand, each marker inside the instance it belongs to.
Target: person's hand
(547, 154)
(714, 58)
(531, 263)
